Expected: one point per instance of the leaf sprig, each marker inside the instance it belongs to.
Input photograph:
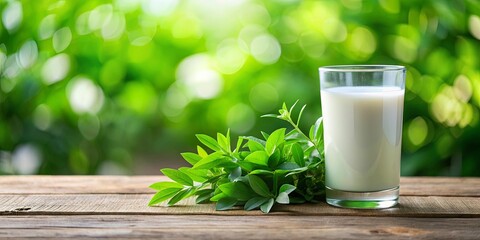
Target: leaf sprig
(283, 167)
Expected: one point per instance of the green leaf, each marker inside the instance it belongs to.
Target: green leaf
(275, 159)
(201, 152)
(287, 188)
(163, 195)
(254, 146)
(258, 157)
(163, 185)
(297, 154)
(300, 114)
(260, 171)
(181, 195)
(238, 190)
(209, 162)
(311, 133)
(274, 140)
(225, 203)
(223, 142)
(292, 107)
(270, 115)
(235, 174)
(318, 129)
(288, 166)
(218, 196)
(239, 144)
(204, 195)
(209, 142)
(191, 158)
(197, 175)
(254, 203)
(259, 186)
(177, 176)
(267, 206)
(282, 198)
(265, 135)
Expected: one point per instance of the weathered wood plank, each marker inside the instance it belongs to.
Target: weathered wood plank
(410, 206)
(411, 186)
(244, 227)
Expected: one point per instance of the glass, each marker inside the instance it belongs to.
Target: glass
(362, 107)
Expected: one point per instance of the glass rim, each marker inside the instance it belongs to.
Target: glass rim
(361, 68)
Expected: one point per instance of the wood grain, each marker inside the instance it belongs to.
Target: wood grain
(238, 227)
(409, 186)
(410, 206)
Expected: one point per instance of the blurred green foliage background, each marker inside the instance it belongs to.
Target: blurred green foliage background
(121, 87)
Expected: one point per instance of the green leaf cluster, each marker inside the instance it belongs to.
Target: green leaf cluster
(282, 167)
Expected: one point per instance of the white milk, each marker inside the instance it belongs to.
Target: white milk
(362, 133)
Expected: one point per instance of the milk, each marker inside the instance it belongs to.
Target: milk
(362, 134)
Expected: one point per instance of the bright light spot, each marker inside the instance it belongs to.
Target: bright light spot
(312, 45)
(12, 16)
(255, 14)
(352, 4)
(84, 96)
(363, 41)
(265, 49)
(417, 131)
(113, 28)
(391, 6)
(56, 68)
(201, 81)
(159, 8)
(247, 34)
(446, 108)
(26, 159)
(127, 5)
(3, 60)
(42, 117)
(28, 53)
(263, 97)
(187, 27)
(99, 16)
(462, 88)
(81, 25)
(229, 56)
(334, 30)
(176, 99)
(240, 118)
(404, 49)
(61, 39)
(11, 66)
(47, 27)
(89, 126)
(474, 26)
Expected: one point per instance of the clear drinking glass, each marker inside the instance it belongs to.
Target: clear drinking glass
(362, 107)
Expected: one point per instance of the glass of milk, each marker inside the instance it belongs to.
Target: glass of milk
(362, 107)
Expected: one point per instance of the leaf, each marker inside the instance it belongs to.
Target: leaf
(287, 188)
(204, 195)
(191, 158)
(163, 195)
(311, 133)
(163, 185)
(318, 129)
(300, 114)
(297, 154)
(239, 144)
(197, 175)
(235, 174)
(275, 159)
(282, 198)
(292, 107)
(254, 203)
(274, 140)
(181, 195)
(265, 135)
(223, 142)
(208, 162)
(177, 176)
(254, 146)
(258, 157)
(218, 196)
(259, 186)
(267, 206)
(201, 152)
(209, 142)
(260, 171)
(288, 166)
(238, 190)
(225, 203)
(270, 115)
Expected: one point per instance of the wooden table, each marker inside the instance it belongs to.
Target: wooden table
(116, 207)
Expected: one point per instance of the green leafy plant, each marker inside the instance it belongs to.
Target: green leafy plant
(283, 167)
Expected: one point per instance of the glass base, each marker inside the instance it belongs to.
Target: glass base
(363, 200)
